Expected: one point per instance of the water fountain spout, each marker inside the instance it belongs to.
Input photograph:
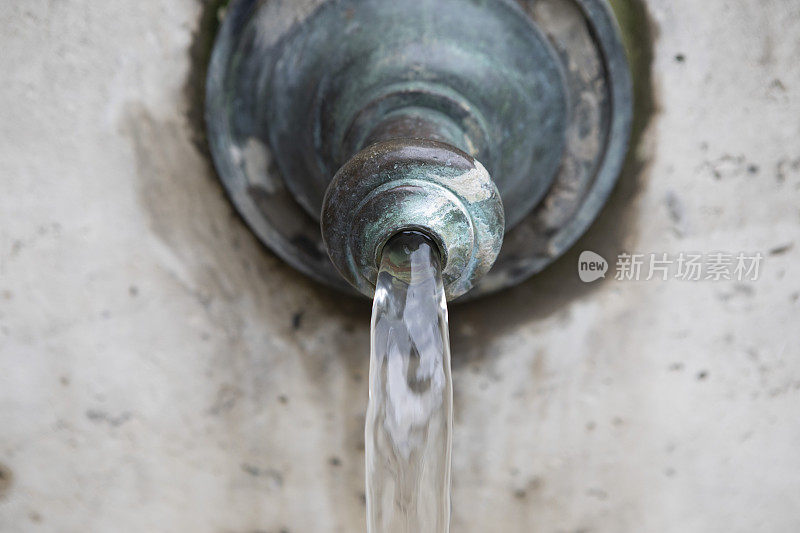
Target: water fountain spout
(413, 184)
(538, 91)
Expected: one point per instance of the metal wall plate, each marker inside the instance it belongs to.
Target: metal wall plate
(537, 90)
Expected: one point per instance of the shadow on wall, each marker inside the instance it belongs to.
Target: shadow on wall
(541, 296)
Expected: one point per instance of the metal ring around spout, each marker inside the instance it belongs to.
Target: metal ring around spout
(413, 184)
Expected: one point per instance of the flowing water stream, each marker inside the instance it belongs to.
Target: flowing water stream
(410, 413)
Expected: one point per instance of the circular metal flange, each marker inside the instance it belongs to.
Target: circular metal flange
(413, 184)
(542, 98)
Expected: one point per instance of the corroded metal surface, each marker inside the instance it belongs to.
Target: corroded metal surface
(480, 70)
(536, 90)
(413, 184)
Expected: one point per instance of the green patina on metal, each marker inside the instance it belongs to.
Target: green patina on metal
(413, 184)
(537, 91)
(477, 73)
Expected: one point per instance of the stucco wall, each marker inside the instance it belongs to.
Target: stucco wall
(161, 371)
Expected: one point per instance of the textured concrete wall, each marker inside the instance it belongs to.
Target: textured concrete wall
(161, 371)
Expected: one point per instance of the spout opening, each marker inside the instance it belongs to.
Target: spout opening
(433, 237)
